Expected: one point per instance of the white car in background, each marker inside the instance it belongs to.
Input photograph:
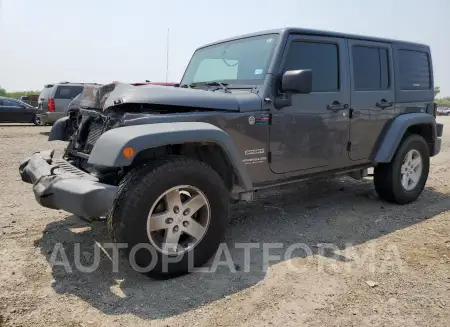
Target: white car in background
(443, 111)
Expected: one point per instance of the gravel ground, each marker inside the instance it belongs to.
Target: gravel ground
(390, 264)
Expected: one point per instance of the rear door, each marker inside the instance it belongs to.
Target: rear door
(64, 95)
(28, 112)
(372, 95)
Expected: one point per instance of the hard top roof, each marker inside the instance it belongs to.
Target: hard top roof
(297, 30)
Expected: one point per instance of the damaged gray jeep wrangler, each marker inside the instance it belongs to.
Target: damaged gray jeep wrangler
(251, 112)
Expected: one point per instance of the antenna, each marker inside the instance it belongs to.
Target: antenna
(167, 56)
(0, 13)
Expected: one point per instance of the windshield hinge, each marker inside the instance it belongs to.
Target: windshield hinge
(255, 90)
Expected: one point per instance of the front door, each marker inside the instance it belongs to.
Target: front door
(372, 95)
(312, 131)
(15, 111)
(3, 112)
(8, 112)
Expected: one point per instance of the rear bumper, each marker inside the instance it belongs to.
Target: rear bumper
(438, 141)
(437, 146)
(59, 185)
(50, 117)
(439, 129)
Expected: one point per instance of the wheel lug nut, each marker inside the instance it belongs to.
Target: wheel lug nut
(176, 209)
(186, 212)
(175, 229)
(185, 223)
(169, 220)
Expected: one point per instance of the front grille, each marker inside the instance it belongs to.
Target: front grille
(95, 131)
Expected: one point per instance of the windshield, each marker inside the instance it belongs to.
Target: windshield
(244, 61)
(24, 103)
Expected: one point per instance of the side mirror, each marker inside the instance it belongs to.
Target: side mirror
(297, 81)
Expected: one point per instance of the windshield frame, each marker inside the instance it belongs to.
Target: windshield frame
(233, 83)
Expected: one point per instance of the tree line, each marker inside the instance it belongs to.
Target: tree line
(443, 102)
(18, 94)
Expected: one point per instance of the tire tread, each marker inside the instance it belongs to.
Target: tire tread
(135, 183)
(385, 182)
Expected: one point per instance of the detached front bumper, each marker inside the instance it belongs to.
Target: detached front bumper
(59, 185)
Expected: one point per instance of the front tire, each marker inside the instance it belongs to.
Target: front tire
(403, 179)
(175, 210)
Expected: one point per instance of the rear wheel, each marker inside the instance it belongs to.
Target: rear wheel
(403, 179)
(37, 121)
(172, 215)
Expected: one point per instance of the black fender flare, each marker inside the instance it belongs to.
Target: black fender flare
(59, 130)
(396, 131)
(107, 150)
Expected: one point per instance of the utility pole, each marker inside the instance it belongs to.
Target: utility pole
(167, 56)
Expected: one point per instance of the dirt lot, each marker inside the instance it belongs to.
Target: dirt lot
(390, 267)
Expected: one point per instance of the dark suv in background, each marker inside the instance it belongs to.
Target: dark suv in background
(55, 98)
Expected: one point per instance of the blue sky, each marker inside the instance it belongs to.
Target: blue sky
(44, 41)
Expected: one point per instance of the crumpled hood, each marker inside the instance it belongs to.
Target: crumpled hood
(175, 96)
(102, 97)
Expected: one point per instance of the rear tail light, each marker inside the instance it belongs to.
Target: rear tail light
(51, 105)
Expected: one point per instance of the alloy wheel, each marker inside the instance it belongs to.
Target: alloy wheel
(411, 170)
(178, 220)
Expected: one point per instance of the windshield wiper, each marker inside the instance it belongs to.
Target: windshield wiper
(221, 85)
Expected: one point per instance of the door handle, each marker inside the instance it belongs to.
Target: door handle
(383, 103)
(336, 106)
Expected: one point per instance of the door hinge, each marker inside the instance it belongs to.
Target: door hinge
(350, 113)
(270, 119)
(269, 157)
(349, 146)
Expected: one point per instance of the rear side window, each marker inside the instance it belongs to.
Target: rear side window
(370, 68)
(321, 58)
(45, 93)
(10, 103)
(414, 70)
(68, 92)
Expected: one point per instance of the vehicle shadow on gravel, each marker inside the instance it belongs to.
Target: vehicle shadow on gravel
(340, 211)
